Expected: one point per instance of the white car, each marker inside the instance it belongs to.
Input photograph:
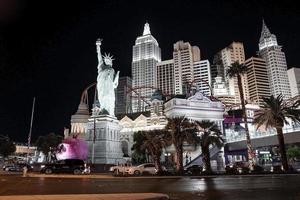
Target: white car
(146, 168)
(119, 170)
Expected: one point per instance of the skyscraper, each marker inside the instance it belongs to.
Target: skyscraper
(294, 79)
(217, 67)
(165, 76)
(271, 52)
(146, 54)
(123, 98)
(202, 76)
(258, 82)
(234, 53)
(184, 56)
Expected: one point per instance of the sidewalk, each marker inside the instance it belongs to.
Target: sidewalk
(109, 176)
(124, 196)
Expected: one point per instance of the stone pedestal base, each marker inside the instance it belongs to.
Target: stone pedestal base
(107, 145)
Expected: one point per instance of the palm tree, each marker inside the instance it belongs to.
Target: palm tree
(210, 134)
(153, 142)
(180, 130)
(48, 143)
(237, 70)
(274, 113)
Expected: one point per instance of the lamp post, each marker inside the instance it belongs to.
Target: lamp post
(94, 138)
(30, 130)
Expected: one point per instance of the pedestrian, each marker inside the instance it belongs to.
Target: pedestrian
(186, 158)
(25, 169)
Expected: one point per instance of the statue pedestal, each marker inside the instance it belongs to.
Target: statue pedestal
(105, 143)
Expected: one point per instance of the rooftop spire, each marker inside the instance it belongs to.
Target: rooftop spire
(265, 32)
(146, 29)
(266, 38)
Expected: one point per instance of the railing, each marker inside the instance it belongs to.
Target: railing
(234, 136)
(197, 159)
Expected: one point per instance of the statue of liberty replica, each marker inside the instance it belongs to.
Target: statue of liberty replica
(103, 128)
(107, 81)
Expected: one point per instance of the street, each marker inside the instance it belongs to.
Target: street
(214, 188)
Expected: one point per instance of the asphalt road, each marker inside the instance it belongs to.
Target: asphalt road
(277, 187)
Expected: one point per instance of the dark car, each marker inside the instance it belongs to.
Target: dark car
(241, 167)
(194, 170)
(75, 166)
(17, 167)
(168, 170)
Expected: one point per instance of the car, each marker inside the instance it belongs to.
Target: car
(146, 168)
(193, 170)
(119, 169)
(17, 167)
(295, 166)
(168, 170)
(240, 167)
(75, 166)
(7, 167)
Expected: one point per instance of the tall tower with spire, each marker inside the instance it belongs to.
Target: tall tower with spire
(275, 59)
(145, 55)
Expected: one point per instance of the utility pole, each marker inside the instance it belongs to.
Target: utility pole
(94, 114)
(94, 139)
(30, 129)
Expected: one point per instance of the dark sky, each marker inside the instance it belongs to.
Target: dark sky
(47, 48)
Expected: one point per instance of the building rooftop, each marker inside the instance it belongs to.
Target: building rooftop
(133, 116)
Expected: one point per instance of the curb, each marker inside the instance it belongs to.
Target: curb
(107, 176)
(121, 196)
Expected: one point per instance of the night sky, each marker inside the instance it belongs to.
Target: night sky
(47, 47)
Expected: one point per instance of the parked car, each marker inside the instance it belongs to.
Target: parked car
(193, 170)
(168, 170)
(241, 167)
(17, 167)
(295, 166)
(146, 168)
(119, 169)
(75, 166)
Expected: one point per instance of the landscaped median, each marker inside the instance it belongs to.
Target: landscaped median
(124, 196)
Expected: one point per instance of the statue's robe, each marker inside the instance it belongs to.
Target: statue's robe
(105, 88)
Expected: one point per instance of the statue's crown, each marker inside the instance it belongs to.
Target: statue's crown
(108, 56)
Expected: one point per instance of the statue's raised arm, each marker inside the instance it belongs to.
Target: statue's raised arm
(100, 59)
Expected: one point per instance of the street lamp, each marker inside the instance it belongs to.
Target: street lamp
(94, 139)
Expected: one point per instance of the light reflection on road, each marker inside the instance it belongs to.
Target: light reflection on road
(219, 188)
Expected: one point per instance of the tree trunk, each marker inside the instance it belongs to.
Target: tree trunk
(282, 149)
(206, 159)
(157, 163)
(248, 141)
(179, 160)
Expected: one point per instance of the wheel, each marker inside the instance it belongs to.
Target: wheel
(77, 171)
(48, 171)
(136, 172)
(116, 172)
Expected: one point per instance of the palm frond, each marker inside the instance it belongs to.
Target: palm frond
(236, 69)
(274, 112)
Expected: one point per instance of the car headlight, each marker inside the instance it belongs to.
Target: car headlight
(112, 169)
(42, 166)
